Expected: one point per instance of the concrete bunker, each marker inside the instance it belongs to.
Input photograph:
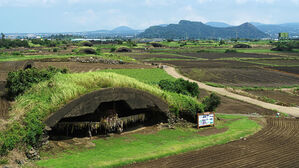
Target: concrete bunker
(106, 111)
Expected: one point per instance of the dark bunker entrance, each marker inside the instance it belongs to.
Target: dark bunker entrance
(124, 113)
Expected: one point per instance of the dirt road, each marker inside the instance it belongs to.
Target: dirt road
(294, 111)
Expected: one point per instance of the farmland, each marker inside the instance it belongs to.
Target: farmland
(258, 72)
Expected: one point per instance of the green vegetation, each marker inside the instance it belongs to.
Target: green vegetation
(3, 161)
(19, 81)
(120, 151)
(47, 97)
(4, 43)
(150, 76)
(286, 45)
(211, 102)
(180, 86)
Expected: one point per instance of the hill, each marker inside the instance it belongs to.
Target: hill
(198, 30)
(274, 29)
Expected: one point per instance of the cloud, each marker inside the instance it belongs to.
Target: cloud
(27, 3)
(257, 1)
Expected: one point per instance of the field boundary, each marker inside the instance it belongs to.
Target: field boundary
(294, 111)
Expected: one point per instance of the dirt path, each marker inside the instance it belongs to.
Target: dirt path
(276, 145)
(294, 111)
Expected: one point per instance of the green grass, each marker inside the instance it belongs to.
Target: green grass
(215, 84)
(151, 76)
(127, 149)
(3, 161)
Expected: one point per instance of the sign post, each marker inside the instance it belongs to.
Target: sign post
(205, 119)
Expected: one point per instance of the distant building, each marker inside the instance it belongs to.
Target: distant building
(283, 36)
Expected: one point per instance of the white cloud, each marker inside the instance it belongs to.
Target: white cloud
(26, 3)
(258, 1)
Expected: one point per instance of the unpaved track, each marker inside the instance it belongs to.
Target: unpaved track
(294, 111)
(276, 145)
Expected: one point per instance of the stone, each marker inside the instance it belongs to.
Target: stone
(19, 162)
(32, 154)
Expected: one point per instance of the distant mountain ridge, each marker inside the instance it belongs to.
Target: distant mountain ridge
(197, 30)
(274, 29)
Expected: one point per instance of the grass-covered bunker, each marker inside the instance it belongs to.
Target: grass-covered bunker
(88, 98)
(107, 110)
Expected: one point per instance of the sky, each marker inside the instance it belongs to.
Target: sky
(25, 16)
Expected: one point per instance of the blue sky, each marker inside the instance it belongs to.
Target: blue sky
(83, 15)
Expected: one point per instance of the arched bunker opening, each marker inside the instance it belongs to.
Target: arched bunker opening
(112, 110)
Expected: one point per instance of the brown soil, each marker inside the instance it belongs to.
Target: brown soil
(86, 67)
(291, 70)
(144, 56)
(233, 106)
(233, 73)
(283, 98)
(211, 55)
(277, 145)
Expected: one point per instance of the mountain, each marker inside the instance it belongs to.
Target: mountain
(218, 24)
(274, 29)
(198, 30)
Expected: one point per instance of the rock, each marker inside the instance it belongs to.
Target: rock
(5, 167)
(32, 154)
(19, 162)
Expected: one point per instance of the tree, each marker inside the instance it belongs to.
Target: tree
(2, 36)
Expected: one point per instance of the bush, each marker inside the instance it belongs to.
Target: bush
(230, 51)
(113, 49)
(86, 43)
(286, 46)
(55, 49)
(17, 53)
(211, 102)
(123, 49)
(87, 50)
(19, 81)
(180, 86)
(242, 46)
(156, 45)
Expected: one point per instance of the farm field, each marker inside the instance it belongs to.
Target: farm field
(263, 149)
(254, 68)
(279, 97)
(234, 73)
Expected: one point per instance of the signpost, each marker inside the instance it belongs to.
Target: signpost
(205, 119)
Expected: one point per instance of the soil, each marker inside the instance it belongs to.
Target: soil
(233, 106)
(222, 91)
(282, 97)
(276, 145)
(292, 70)
(234, 73)
(144, 56)
(211, 55)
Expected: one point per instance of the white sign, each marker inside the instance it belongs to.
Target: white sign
(206, 119)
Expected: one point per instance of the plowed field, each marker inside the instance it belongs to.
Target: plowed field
(277, 145)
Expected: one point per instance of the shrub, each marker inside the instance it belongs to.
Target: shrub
(86, 43)
(87, 50)
(156, 45)
(242, 46)
(180, 86)
(123, 49)
(211, 102)
(19, 81)
(98, 50)
(55, 49)
(113, 49)
(230, 51)
(16, 53)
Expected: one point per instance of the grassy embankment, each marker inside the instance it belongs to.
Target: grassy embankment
(31, 108)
